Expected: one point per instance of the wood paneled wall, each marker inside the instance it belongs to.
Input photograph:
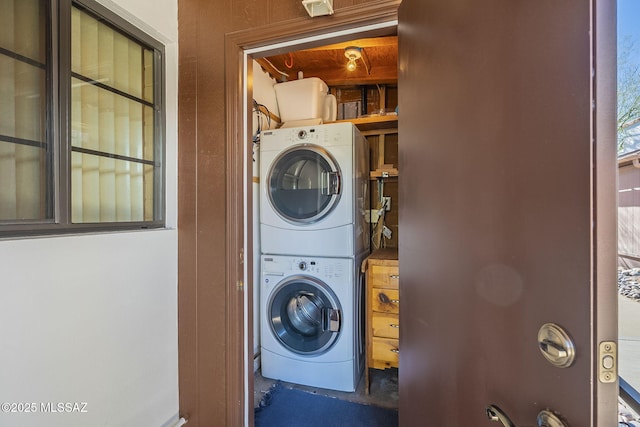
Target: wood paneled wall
(210, 350)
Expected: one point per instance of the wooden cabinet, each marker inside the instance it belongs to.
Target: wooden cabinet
(383, 310)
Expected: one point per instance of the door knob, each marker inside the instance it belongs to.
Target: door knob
(546, 418)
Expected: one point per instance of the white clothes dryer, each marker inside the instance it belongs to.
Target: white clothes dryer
(312, 321)
(314, 191)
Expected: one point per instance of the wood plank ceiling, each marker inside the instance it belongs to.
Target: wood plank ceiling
(378, 64)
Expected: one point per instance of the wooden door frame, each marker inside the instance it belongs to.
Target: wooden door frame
(239, 250)
(605, 209)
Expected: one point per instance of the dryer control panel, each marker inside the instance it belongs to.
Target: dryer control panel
(334, 133)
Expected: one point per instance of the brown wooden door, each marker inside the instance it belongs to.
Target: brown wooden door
(507, 208)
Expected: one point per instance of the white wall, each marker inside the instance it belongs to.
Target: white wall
(264, 94)
(93, 318)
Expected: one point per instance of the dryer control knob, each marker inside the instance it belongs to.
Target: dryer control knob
(302, 134)
(302, 265)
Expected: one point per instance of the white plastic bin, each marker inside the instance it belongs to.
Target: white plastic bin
(301, 99)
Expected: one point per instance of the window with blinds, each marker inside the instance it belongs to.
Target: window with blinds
(24, 148)
(81, 119)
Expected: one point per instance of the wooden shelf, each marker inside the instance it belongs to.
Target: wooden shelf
(383, 173)
(374, 123)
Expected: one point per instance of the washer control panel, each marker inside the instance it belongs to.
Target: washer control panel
(317, 267)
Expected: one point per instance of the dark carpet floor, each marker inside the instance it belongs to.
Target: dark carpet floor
(285, 407)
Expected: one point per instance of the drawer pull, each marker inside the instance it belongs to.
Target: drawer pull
(394, 326)
(395, 350)
(394, 276)
(385, 299)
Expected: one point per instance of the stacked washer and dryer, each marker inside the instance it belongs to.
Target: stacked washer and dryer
(314, 236)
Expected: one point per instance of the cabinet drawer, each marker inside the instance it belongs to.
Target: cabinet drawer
(385, 325)
(385, 300)
(384, 276)
(384, 352)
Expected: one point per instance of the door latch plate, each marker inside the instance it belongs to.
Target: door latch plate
(607, 362)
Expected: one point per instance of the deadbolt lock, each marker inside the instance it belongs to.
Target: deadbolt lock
(607, 362)
(556, 345)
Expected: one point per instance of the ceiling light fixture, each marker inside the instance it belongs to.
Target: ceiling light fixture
(318, 7)
(352, 53)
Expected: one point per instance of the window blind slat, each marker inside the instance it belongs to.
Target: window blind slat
(8, 195)
(7, 24)
(22, 111)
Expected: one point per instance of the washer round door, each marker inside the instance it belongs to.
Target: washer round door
(304, 315)
(304, 184)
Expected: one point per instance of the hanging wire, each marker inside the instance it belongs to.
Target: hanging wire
(263, 114)
(288, 64)
(377, 235)
(274, 67)
(366, 66)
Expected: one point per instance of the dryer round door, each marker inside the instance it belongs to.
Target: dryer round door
(304, 315)
(304, 184)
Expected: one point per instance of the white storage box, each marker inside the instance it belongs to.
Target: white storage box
(301, 99)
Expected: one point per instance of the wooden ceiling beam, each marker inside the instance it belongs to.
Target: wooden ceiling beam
(361, 43)
(379, 58)
(340, 76)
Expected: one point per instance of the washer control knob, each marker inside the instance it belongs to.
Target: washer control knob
(302, 265)
(302, 134)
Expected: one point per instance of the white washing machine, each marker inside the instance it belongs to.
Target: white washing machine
(314, 184)
(312, 322)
